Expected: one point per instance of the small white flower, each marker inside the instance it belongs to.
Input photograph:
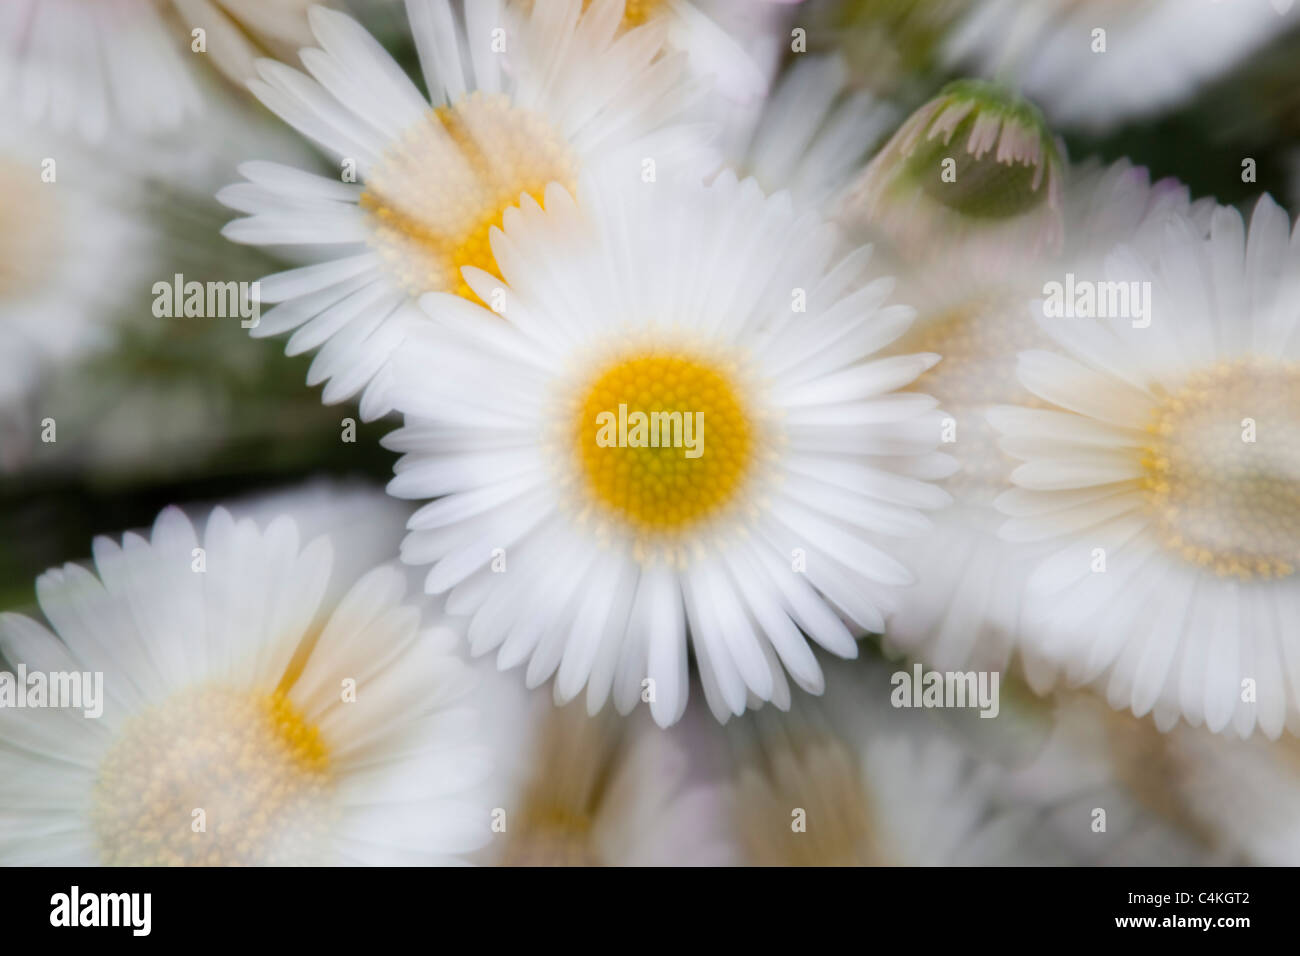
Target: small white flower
(73, 253)
(588, 549)
(243, 722)
(1162, 463)
(576, 790)
(95, 66)
(967, 608)
(1156, 53)
(810, 136)
(516, 104)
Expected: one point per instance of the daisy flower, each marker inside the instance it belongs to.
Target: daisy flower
(574, 790)
(73, 254)
(95, 65)
(1162, 464)
(516, 104)
(968, 605)
(712, 51)
(238, 32)
(1092, 63)
(242, 722)
(587, 544)
(1245, 793)
(806, 796)
(810, 136)
(98, 65)
(871, 785)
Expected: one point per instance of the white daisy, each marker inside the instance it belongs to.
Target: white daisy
(571, 91)
(97, 65)
(872, 785)
(238, 32)
(970, 259)
(242, 722)
(1245, 793)
(712, 51)
(91, 65)
(717, 310)
(1163, 465)
(810, 136)
(1107, 788)
(967, 607)
(575, 790)
(807, 794)
(73, 254)
(1149, 55)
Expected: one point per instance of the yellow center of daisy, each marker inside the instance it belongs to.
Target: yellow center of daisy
(214, 777)
(664, 440)
(439, 190)
(635, 12)
(1222, 468)
(29, 238)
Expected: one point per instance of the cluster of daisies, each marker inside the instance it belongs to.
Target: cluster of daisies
(591, 208)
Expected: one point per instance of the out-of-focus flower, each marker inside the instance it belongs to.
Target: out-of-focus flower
(1245, 793)
(1164, 466)
(849, 781)
(1097, 63)
(99, 66)
(810, 137)
(240, 721)
(73, 250)
(430, 183)
(576, 790)
(975, 165)
(894, 48)
(777, 445)
(967, 607)
(238, 32)
(712, 51)
(94, 66)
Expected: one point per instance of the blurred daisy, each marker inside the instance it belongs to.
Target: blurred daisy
(238, 32)
(576, 790)
(848, 781)
(94, 65)
(712, 51)
(98, 65)
(810, 136)
(1095, 63)
(516, 104)
(73, 254)
(242, 722)
(778, 445)
(967, 607)
(1245, 793)
(805, 798)
(972, 302)
(1164, 468)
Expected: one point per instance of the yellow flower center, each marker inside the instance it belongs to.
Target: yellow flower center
(664, 439)
(215, 777)
(440, 189)
(1222, 468)
(635, 12)
(29, 236)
